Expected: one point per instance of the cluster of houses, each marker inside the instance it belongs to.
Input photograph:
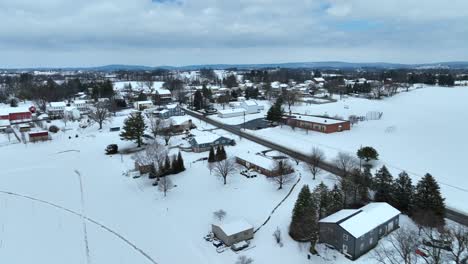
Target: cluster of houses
(20, 119)
(240, 108)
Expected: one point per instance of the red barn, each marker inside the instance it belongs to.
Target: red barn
(38, 136)
(15, 114)
(319, 124)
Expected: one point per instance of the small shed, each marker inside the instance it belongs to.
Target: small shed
(38, 136)
(233, 232)
(231, 112)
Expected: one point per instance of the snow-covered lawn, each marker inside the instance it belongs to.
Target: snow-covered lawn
(421, 131)
(43, 214)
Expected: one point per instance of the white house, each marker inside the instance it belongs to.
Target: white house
(142, 105)
(56, 108)
(251, 107)
(231, 112)
(81, 105)
(72, 113)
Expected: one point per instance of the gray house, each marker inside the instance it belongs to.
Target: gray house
(356, 231)
(233, 232)
(205, 142)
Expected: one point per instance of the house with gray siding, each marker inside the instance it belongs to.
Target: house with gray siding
(205, 142)
(354, 232)
(233, 232)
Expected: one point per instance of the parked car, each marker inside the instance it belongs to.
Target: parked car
(240, 245)
(112, 149)
(217, 243)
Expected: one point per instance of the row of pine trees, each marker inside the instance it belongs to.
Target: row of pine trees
(219, 155)
(423, 202)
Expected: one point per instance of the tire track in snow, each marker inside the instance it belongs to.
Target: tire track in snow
(85, 231)
(115, 233)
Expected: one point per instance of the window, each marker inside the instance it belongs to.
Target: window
(345, 237)
(362, 246)
(371, 240)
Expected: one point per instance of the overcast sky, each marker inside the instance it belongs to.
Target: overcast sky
(182, 32)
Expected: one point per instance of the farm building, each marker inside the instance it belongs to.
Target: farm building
(205, 142)
(15, 114)
(162, 96)
(38, 136)
(142, 105)
(231, 112)
(181, 123)
(251, 107)
(4, 124)
(233, 232)
(262, 164)
(317, 123)
(56, 109)
(356, 231)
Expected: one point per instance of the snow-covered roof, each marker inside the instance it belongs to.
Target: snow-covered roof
(144, 102)
(319, 120)
(235, 227)
(338, 216)
(250, 103)
(206, 138)
(57, 104)
(231, 111)
(179, 120)
(259, 160)
(80, 102)
(163, 92)
(13, 110)
(319, 79)
(171, 106)
(4, 123)
(369, 217)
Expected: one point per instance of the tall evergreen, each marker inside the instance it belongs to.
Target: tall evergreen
(275, 113)
(167, 165)
(429, 206)
(211, 156)
(322, 197)
(180, 163)
(134, 128)
(222, 154)
(198, 100)
(304, 223)
(403, 192)
(383, 185)
(336, 200)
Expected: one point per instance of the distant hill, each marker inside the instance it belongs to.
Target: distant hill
(310, 65)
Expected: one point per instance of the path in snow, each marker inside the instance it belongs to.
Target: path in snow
(85, 231)
(119, 236)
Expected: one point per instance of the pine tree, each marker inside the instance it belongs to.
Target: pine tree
(275, 113)
(322, 196)
(180, 163)
(198, 100)
(304, 223)
(383, 185)
(367, 154)
(134, 128)
(336, 200)
(429, 206)
(365, 185)
(403, 192)
(222, 154)
(211, 156)
(167, 166)
(218, 153)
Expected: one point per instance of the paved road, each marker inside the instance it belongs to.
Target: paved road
(451, 214)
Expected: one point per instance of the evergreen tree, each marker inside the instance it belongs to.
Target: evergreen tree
(383, 185)
(198, 100)
(366, 184)
(218, 153)
(367, 153)
(134, 128)
(167, 167)
(275, 113)
(403, 192)
(322, 197)
(336, 200)
(211, 156)
(222, 154)
(180, 163)
(429, 206)
(141, 97)
(304, 223)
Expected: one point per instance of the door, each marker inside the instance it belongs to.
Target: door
(390, 227)
(345, 249)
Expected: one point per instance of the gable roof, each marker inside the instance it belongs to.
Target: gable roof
(358, 222)
(235, 227)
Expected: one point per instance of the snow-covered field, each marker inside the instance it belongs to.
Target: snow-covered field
(118, 219)
(422, 131)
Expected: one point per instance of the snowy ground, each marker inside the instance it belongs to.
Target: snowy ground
(421, 131)
(120, 218)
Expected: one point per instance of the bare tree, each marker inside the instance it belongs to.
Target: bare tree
(401, 248)
(224, 168)
(277, 236)
(154, 154)
(315, 159)
(435, 255)
(156, 125)
(100, 114)
(282, 173)
(459, 237)
(290, 98)
(41, 104)
(345, 162)
(244, 260)
(220, 214)
(165, 184)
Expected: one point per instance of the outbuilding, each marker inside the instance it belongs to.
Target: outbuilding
(233, 232)
(354, 232)
(231, 112)
(38, 136)
(142, 105)
(317, 123)
(260, 163)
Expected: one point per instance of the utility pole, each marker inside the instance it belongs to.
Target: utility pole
(244, 121)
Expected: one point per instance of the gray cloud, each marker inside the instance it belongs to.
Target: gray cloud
(93, 32)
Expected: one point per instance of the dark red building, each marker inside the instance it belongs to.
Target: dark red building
(319, 124)
(15, 114)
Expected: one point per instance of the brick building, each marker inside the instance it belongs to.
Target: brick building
(317, 123)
